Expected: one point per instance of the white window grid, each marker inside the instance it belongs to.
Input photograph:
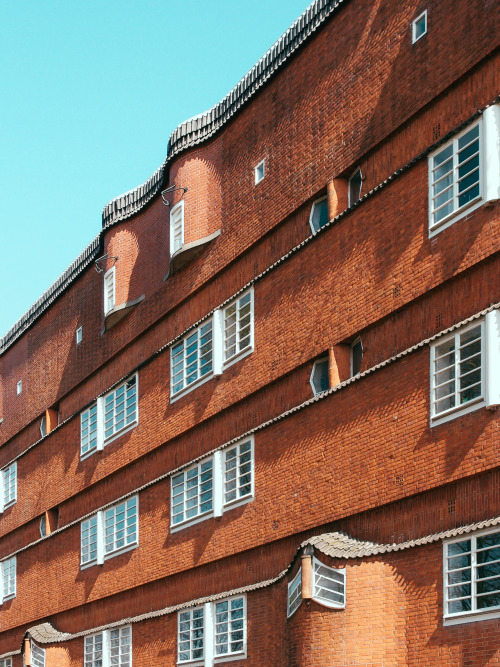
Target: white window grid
(177, 227)
(213, 485)
(109, 417)
(37, 655)
(8, 486)
(318, 217)
(192, 492)
(190, 635)
(109, 532)
(192, 358)
(260, 171)
(455, 175)
(471, 580)
(8, 578)
(109, 648)
(238, 472)
(328, 585)
(457, 373)
(294, 594)
(6, 662)
(212, 633)
(238, 326)
(109, 290)
(419, 27)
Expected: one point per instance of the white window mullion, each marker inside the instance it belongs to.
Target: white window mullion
(218, 484)
(218, 341)
(2, 491)
(473, 573)
(492, 359)
(106, 662)
(100, 423)
(100, 537)
(208, 634)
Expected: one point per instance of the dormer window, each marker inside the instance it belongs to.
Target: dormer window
(260, 172)
(319, 214)
(19, 387)
(177, 227)
(419, 27)
(109, 290)
(355, 187)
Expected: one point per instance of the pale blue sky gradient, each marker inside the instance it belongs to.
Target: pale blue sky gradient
(90, 92)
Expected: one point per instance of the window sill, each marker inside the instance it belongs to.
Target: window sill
(237, 357)
(118, 552)
(472, 617)
(188, 252)
(458, 412)
(190, 387)
(175, 528)
(455, 217)
(109, 440)
(117, 313)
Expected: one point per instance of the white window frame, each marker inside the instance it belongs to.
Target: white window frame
(6, 662)
(176, 216)
(8, 494)
(294, 594)
(351, 358)
(209, 632)
(37, 655)
(331, 574)
(350, 199)
(109, 282)
(106, 642)
(98, 524)
(95, 414)
(19, 387)
(79, 335)
(311, 377)
(311, 214)
(260, 171)
(222, 478)
(241, 352)
(414, 37)
(175, 359)
(11, 565)
(474, 614)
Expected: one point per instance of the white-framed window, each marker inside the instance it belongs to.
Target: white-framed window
(354, 187)
(318, 217)
(79, 335)
(320, 379)
(260, 171)
(8, 486)
(6, 662)
(212, 633)
(464, 173)
(213, 485)
(471, 581)
(19, 387)
(356, 357)
(191, 359)
(110, 532)
(294, 597)
(419, 27)
(109, 290)
(238, 327)
(328, 585)
(109, 648)
(8, 579)
(212, 346)
(177, 227)
(112, 415)
(464, 369)
(37, 655)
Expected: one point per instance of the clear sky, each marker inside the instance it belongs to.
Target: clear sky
(90, 92)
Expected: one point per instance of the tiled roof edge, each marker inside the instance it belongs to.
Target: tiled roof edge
(200, 128)
(51, 294)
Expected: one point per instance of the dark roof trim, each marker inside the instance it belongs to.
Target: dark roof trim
(200, 128)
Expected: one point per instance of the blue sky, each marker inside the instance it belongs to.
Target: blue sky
(90, 94)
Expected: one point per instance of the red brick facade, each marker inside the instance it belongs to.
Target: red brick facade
(363, 459)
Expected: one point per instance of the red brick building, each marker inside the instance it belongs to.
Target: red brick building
(255, 421)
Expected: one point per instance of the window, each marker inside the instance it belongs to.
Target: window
(192, 358)
(294, 594)
(109, 290)
(260, 171)
(212, 633)
(356, 357)
(177, 227)
(37, 655)
(6, 662)
(328, 585)
(212, 485)
(8, 486)
(109, 648)
(213, 346)
(109, 532)
(109, 417)
(320, 380)
(8, 579)
(354, 187)
(419, 27)
(79, 335)
(238, 327)
(43, 426)
(319, 214)
(472, 577)
(19, 387)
